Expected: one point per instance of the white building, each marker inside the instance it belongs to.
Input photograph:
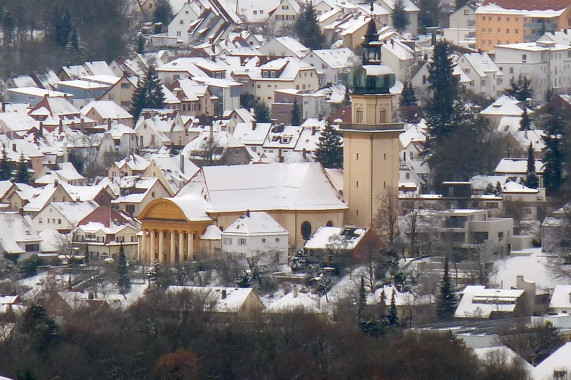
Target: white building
(179, 25)
(545, 63)
(400, 57)
(256, 233)
(485, 77)
(331, 64)
(561, 300)
(479, 302)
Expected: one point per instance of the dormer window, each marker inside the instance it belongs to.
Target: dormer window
(273, 74)
(264, 74)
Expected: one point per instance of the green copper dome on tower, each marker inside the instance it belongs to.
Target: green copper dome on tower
(371, 77)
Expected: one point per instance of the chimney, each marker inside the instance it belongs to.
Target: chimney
(181, 162)
(108, 124)
(280, 156)
(82, 125)
(320, 117)
(223, 294)
(41, 128)
(211, 132)
(254, 124)
(60, 128)
(295, 291)
(304, 153)
(56, 182)
(247, 213)
(21, 211)
(313, 130)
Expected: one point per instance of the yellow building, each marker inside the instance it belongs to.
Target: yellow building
(171, 229)
(507, 22)
(371, 143)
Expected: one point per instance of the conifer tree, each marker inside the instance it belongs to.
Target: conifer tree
(383, 307)
(124, 283)
(329, 152)
(6, 167)
(158, 279)
(392, 317)
(347, 98)
(22, 173)
(553, 158)
(262, 112)
(163, 15)
(447, 299)
(307, 28)
(525, 122)
(295, 114)
(520, 88)
(408, 97)
(399, 16)
(362, 302)
(149, 94)
(531, 178)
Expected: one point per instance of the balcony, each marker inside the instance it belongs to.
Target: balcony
(384, 127)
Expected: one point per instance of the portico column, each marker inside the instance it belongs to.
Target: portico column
(190, 245)
(173, 251)
(161, 246)
(180, 246)
(152, 250)
(142, 246)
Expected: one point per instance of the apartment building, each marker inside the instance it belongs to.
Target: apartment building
(507, 22)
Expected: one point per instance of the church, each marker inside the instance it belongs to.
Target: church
(301, 197)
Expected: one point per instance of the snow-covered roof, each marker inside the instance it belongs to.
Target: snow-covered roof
(68, 172)
(557, 361)
(479, 302)
(17, 229)
(490, 354)
(290, 43)
(512, 187)
(106, 109)
(74, 211)
(336, 58)
(255, 223)
(544, 8)
(516, 166)
(217, 299)
(297, 186)
(212, 232)
(252, 136)
(193, 206)
(335, 237)
(481, 63)
(295, 301)
(561, 297)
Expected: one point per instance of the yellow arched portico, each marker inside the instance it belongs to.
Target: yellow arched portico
(171, 229)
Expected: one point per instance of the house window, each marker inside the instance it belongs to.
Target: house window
(359, 115)
(263, 240)
(40, 220)
(306, 230)
(111, 97)
(59, 221)
(523, 58)
(241, 241)
(277, 240)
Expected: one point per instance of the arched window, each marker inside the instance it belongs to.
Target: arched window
(359, 115)
(383, 116)
(306, 230)
(329, 224)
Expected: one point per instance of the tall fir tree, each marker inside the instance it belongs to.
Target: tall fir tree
(520, 88)
(295, 114)
(329, 152)
(262, 112)
(525, 122)
(148, 94)
(393, 317)
(123, 283)
(362, 302)
(383, 307)
(531, 180)
(408, 97)
(22, 172)
(307, 28)
(399, 16)
(447, 299)
(553, 158)
(6, 166)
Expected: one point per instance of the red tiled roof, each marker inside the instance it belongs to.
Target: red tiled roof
(104, 215)
(531, 5)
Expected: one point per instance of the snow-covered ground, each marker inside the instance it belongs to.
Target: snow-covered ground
(533, 267)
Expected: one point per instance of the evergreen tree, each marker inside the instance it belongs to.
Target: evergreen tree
(8, 28)
(383, 307)
(124, 283)
(163, 15)
(447, 299)
(531, 178)
(329, 152)
(399, 16)
(139, 100)
(408, 97)
(295, 114)
(22, 173)
(461, 3)
(347, 98)
(141, 44)
(362, 304)
(154, 87)
(6, 167)
(262, 112)
(307, 28)
(393, 317)
(158, 278)
(553, 158)
(525, 122)
(520, 88)
(149, 94)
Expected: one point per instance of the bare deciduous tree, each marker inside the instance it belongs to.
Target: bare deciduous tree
(386, 220)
